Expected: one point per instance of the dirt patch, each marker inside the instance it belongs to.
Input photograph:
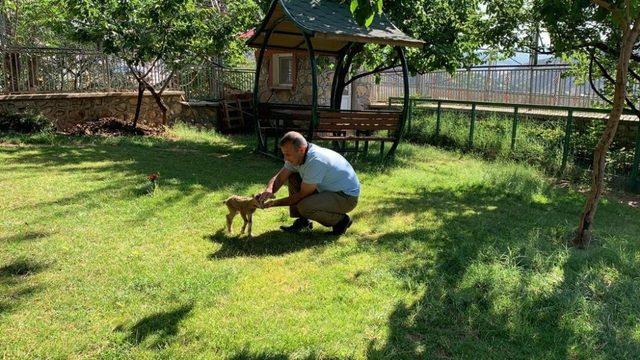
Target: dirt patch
(630, 199)
(623, 197)
(111, 126)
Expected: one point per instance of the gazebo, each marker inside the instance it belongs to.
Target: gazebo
(326, 27)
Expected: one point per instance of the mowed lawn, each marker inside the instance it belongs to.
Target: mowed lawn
(449, 257)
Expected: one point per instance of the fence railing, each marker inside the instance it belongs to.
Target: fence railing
(46, 70)
(213, 82)
(50, 70)
(516, 112)
(542, 85)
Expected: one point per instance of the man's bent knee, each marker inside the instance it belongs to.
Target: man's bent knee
(305, 207)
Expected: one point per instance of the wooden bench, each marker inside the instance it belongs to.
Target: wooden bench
(357, 126)
(337, 127)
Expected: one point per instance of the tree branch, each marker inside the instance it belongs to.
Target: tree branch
(596, 90)
(615, 11)
(598, 45)
(153, 64)
(167, 80)
(602, 4)
(634, 74)
(376, 70)
(134, 72)
(606, 75)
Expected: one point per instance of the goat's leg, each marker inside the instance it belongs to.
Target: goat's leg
(250, 218)
(230, 217)
(244, 225)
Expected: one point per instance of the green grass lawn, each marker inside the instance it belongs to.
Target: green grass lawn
(449, 257)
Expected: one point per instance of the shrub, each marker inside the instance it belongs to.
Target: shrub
(27, 122)
(539, 142)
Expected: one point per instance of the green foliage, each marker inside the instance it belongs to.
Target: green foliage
(25, 122)
(453, 30)
(175, 32)
(619, 158)
(582, 30)
(33, 22)
(364, 11)
(539, 142)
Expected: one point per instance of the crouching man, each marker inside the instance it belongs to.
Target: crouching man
(322, 186)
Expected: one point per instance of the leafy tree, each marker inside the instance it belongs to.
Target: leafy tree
(26, 23)
(603, 37)
(160, 36)
(31, 22)
(600, 35)
(454, 32)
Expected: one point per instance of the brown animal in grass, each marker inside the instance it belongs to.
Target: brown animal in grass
(246, 206)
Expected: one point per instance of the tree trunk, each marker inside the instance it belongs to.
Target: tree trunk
(157, 96)
(138, 104)
(583, 234)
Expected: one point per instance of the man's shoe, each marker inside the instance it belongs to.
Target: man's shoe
(299, 225)
(342, 226)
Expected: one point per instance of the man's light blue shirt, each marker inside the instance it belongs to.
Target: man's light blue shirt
(328, 170)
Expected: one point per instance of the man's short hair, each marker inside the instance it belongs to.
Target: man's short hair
(295, 138)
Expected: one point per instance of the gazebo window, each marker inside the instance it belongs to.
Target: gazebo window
(283, 70)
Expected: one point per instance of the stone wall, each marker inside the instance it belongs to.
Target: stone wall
(66, 110)
(302, 89)
(201, 114)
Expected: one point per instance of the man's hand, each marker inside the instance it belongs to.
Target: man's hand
(265, 195)
(268, 204)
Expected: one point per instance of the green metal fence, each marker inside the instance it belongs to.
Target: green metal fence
(516, 111)
(214, 83)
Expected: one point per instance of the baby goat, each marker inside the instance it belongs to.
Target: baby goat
(244, 205)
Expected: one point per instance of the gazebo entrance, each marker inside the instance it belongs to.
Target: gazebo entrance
(325, 27)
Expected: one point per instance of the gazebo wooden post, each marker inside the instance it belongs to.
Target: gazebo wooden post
(405, 106)
(262, 142)
(336, 74)
(314, 86)
(352, 50)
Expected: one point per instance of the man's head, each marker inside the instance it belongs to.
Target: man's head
(293, 146)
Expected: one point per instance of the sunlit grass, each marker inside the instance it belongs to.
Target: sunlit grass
(449, 256)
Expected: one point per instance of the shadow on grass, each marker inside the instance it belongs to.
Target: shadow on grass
(271, 243)
(162, 326)
(27, 236)
(12, 278)
(496, 278)
(246, 355)
(193, 167)
(19, 269)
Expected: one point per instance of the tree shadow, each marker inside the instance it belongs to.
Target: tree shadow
(271, 243)
(12, 278)
(192, 168)
(162, 326)
(26, 236)
(478, 270)
(19, 269)
(247, 355)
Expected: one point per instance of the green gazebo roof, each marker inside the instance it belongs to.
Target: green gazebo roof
(328, 22)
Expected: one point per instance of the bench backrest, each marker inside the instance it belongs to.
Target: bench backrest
(358, 120)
